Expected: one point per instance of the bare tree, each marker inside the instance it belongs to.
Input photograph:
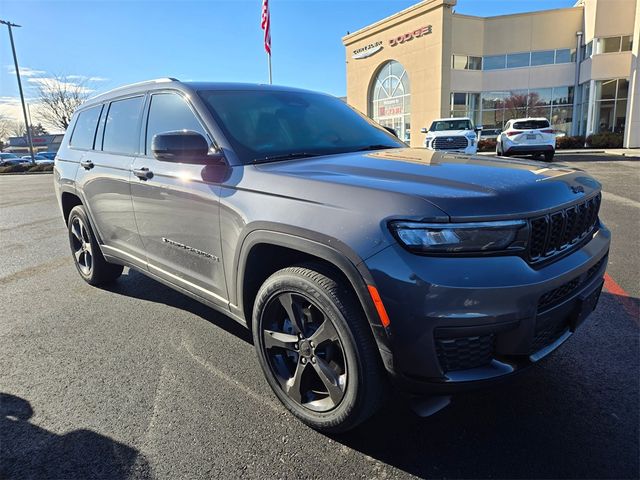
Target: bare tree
(5, 128)
(58, 98)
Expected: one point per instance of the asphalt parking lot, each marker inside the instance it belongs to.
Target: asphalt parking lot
(138, 381)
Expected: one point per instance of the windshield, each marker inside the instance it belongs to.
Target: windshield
(8, 155)
(265, 125)
(443, 125)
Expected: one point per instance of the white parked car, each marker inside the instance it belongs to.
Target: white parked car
(527, 136)
(452, 135)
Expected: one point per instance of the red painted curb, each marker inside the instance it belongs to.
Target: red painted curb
(627, 302)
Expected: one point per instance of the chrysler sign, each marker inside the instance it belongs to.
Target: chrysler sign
(367, 50)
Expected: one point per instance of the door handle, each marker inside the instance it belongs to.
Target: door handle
(143, 173)
(87, 164)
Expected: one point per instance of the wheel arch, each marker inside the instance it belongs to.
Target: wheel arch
(282, 249)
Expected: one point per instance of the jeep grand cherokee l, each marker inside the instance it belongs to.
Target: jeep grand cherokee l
(358, 263)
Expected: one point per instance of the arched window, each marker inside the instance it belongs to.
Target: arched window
(389, 99)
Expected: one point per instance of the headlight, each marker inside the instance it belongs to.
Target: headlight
(461, 237)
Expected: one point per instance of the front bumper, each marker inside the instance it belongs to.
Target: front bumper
(459, 323)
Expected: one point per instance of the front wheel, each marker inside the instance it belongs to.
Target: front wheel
(316, 349)
(90, 263)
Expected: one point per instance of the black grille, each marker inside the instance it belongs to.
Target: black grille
(557, 295)
(548, 330)
(449, 143)
(464, 352)
(558, 230)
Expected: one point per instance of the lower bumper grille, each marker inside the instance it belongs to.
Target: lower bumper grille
(463, 353)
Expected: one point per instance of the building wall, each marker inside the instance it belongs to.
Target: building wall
(422, 57)
(632, 134)
(428, 59)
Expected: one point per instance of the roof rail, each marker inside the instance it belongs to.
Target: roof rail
(136, 84)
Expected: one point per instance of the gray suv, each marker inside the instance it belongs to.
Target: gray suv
(358, 263)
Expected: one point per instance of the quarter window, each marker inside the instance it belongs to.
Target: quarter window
(169, 112)
(84, 132)
(121, 128)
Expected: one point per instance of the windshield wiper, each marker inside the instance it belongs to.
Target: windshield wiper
(376, 147)
(285, 156)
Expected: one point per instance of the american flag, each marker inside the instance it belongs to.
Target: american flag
(266, 25)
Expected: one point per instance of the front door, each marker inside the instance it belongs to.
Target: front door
(177, 207)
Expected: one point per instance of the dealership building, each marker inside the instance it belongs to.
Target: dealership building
(576, 66)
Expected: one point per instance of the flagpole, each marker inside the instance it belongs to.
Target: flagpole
(269, 59)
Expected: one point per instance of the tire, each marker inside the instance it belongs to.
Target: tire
(87, 256)
(325, 310)
(548, 156)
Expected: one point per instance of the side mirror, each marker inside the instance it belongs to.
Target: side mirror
(424, 130)
(391, 131)
(478, 128)
(181, 146)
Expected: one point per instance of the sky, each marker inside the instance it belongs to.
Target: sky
(110, 43)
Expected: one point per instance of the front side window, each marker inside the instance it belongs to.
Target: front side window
(84, 132)
(121, 127)
(267, 125)
(169, 112)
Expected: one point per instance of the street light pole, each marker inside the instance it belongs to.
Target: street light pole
(24, 108)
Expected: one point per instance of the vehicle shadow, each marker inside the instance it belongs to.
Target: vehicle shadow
(29, 451)
(137, 285)
(574, 415)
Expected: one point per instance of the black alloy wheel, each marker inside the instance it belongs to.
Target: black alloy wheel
(316, 348)
(304, 351)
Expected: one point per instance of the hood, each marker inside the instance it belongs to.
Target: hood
(462, 186)
(450, 133)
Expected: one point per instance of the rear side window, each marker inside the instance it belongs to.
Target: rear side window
(84, 132)
(121, 128)
(531, 125)
(169, 112)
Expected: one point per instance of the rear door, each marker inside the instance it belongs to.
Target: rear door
(177, 207)
(104, 178)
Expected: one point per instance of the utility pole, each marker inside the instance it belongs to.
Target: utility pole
(24, 108)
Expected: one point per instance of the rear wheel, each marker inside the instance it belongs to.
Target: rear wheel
(88, 258)
(548, 156)
(316, 349)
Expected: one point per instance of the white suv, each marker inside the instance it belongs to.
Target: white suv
(452, 135)
(527, 136)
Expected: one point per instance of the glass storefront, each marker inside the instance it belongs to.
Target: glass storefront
(390, 99)
(610, 107)
(493, 109)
